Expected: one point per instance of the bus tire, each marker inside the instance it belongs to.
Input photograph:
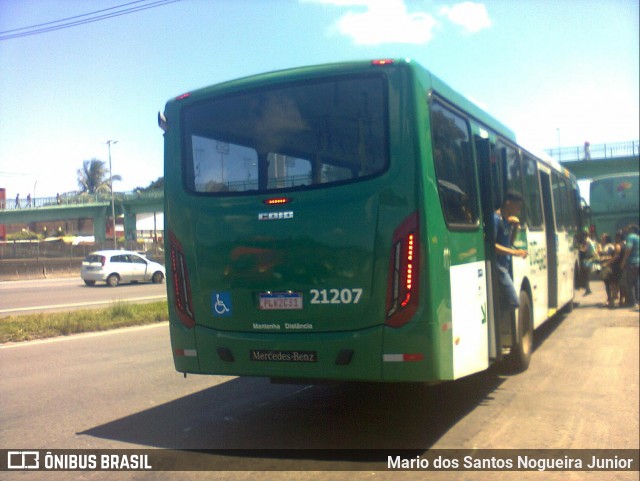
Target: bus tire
(520, 354)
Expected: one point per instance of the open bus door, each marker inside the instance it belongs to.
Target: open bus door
(506, 329)
(490, 178)
(552, 250)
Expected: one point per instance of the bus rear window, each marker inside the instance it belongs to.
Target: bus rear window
(301, 135)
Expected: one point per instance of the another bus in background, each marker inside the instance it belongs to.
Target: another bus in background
(614, 202)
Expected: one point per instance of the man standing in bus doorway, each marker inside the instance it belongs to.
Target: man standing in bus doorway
(506, 225)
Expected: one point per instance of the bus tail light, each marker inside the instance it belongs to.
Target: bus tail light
(383, 61)
(402, 287)
(277, 200)
(181, 286)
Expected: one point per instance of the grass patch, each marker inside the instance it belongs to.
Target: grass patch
(28, 327)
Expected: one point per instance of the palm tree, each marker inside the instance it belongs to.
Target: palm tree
(93, 177)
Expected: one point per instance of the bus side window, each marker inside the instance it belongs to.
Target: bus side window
(454, 167)
(559, 202)
(567, 206)
(574, 202)
(508, 172)
(498, 158)
(533, 199)
(513, 171)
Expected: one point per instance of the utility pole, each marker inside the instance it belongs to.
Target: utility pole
(113, 207)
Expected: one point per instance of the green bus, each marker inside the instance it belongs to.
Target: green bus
(614, 202)
(335, 222)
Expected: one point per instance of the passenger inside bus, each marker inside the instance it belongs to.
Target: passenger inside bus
(506, 225)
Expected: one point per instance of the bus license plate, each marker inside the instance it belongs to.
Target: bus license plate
(281, 301)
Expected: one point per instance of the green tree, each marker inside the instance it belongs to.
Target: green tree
(155, 185)
(93, 177)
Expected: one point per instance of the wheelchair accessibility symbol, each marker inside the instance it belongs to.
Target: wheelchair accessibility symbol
(221, 304)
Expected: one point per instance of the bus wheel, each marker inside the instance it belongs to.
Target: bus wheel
(520, 354)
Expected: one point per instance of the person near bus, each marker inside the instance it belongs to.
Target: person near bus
(606, 250)
(588, 256)
(630, 265)
(617, 287)
(506, 225)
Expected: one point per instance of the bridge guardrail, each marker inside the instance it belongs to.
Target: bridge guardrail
(595, 152)
(76, 199)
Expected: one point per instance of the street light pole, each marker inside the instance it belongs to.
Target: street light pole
(113, 207)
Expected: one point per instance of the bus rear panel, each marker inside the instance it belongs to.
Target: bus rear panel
(294, 246)
(334, 223)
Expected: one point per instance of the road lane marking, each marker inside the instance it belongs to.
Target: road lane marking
(28, 283)
(80, 304)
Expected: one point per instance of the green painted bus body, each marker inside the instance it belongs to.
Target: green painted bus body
(327, 244)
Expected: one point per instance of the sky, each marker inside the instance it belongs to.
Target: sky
(557, 72)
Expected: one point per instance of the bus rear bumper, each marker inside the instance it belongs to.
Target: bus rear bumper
(329, 356)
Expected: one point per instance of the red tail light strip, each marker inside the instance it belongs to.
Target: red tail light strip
(409, 272)
(402, 290)
(181, 286)
(277, 201)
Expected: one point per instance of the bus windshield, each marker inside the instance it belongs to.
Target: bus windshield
(283, 137)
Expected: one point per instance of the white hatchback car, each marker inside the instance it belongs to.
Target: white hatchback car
(114, 267)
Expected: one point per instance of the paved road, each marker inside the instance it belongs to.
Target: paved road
(119, 390)
(18, 297)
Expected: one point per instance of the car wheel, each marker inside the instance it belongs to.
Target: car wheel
(90, 283)
(157, 278)
(113, 280)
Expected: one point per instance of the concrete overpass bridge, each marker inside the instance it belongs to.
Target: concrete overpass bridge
(94, 206)
(601, 159)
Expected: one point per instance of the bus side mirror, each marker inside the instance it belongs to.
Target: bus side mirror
(162, 122)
